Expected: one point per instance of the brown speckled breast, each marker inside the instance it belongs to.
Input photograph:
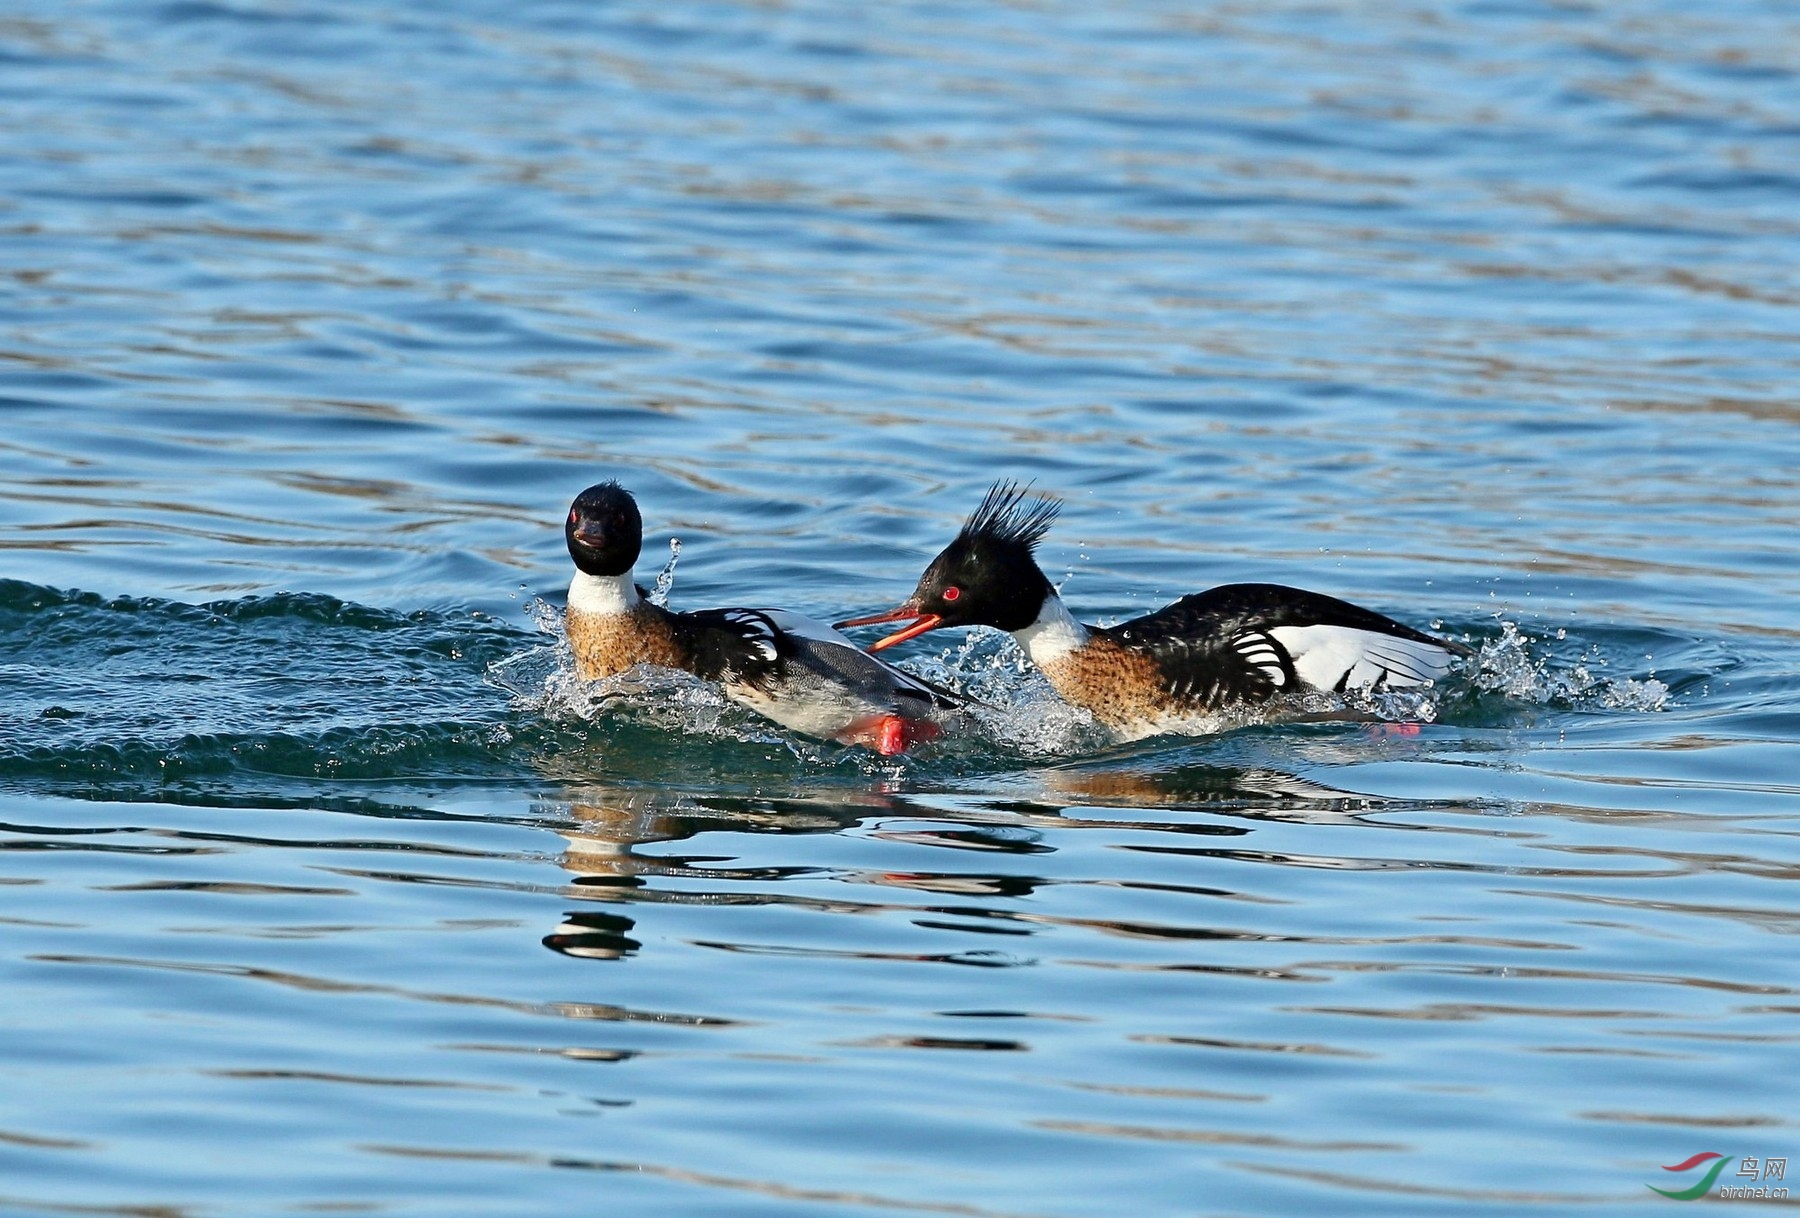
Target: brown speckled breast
(606, 644)
(1114, 684)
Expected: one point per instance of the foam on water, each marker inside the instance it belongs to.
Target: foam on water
(1012, 706)
(1507, 666)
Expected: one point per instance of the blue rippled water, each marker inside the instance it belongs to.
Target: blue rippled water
(324, 887)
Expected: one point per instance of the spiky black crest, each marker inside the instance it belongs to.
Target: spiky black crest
(1006, 515)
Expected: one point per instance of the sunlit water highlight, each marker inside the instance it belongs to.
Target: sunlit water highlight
(325, 887)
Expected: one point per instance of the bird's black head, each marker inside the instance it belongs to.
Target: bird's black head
(986, 576)
(604, 530)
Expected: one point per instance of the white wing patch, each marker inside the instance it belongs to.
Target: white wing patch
(1342, 657)
(1261, 651)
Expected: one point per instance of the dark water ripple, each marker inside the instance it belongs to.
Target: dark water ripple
(313, 314)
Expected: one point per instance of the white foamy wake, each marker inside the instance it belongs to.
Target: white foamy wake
(1508, 666)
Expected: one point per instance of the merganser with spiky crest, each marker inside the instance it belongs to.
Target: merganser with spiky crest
(1176, 667)
(799, 672)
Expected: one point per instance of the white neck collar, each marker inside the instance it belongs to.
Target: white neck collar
(603, 595)
(1054, 635)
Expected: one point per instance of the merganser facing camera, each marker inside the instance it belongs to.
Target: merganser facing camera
(604, 530)
(801, 673)
(1234, 643)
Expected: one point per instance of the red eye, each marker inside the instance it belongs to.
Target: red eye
(951, 594)
(571, 515)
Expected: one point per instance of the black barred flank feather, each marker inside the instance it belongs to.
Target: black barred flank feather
(1006, 515)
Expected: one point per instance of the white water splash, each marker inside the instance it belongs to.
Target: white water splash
(1506, 666)
(1412, 704)
(527, 674)
(543, 680)
(665, 579)
(1011, 704)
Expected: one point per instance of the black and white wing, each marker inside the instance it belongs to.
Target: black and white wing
(732, 644)
(817, 648)
(788, 655)
(1252, 641)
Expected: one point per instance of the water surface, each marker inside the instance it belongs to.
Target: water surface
(324, 888)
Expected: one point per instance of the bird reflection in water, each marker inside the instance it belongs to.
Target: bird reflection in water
(610, 823)
(607, 825)
(1256, 792)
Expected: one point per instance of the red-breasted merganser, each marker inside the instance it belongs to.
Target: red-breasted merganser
(1168, 669)
(799, 672)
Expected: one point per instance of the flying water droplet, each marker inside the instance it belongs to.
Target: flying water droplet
(665, 579)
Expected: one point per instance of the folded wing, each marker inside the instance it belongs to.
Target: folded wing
(1250, 642)
(774, 649)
